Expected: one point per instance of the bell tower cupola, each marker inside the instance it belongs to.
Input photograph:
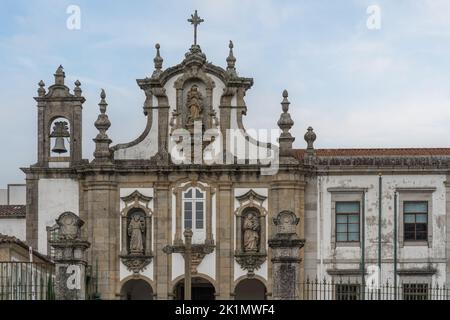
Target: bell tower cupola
(59, 123)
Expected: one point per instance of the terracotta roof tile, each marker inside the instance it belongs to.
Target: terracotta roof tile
(411, 152)
(4, 239)
(10, 239)
(13, 211)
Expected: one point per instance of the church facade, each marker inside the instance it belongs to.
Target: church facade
(196, 198)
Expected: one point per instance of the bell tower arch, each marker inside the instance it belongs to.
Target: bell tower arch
(59, 123)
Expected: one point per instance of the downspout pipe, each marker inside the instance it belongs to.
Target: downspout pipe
(363, 243)
(380, 204)
(395, 245)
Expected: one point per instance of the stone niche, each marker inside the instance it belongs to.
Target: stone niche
(136, 226)
(194, 90)
(251, 250)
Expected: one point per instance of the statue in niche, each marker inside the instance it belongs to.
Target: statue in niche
(251, 229)
(136, 229)
(194, 104)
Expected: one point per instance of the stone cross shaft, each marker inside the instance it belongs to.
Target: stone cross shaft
(195, 21)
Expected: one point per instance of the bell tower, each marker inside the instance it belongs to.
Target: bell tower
(59, 123)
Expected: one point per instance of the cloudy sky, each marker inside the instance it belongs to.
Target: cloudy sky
(356, 86)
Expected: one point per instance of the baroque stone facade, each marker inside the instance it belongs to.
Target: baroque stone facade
(262, 212)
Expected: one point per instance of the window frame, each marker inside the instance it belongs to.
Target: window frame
(347, 223)
(416, 291)
(415, 223)
(415, 195)
(194, 200)
(347, 291)
(347, 195)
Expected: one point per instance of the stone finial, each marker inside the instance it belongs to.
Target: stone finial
(231, 60)
(158, 61)
(310, 138)
(60, 75)
(285, 123)
(102, 152)
(41, 90)
(77, 89)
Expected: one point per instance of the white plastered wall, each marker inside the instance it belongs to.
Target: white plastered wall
(148, 147)
(15, 227)
(55, 196)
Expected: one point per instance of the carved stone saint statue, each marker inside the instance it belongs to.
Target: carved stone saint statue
(251, 233)
(194, 104)
(136, 229)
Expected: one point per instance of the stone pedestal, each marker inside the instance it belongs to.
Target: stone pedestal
(70, 270)
(286, 258)
(70, 258)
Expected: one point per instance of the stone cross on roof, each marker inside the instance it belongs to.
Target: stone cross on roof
(195, 20)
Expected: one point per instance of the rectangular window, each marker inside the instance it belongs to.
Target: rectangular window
(415, 291)
(347, 291)
(188, 215)
(347, 221)
(415, 218)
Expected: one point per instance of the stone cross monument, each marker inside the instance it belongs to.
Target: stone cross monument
(70, 258)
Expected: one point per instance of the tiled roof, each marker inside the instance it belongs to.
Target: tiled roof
(406, 152)
(10, 239)
(13, 211)
(4, 239)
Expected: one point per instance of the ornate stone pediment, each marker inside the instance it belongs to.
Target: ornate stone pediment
(136, 263)
(136, 199)
(252, 197)
(250, 261)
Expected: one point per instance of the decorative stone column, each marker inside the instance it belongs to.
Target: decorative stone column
(70, 258)
(286, 257)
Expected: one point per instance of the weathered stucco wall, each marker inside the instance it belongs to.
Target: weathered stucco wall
(409, 256)
(15, 227)
(56, 196)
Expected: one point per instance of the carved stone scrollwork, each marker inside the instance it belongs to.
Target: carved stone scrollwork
(199, 252)
(136, 263)
(250, 261)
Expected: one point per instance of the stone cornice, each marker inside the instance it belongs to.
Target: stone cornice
(409, 162)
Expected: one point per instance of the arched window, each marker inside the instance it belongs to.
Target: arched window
(194, 210)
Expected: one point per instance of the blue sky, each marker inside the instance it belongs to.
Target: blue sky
(357, 87)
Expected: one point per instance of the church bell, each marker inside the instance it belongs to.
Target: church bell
(59, 146)
(60, 131)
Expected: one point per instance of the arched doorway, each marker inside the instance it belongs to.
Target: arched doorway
(136, 289)
(202, 289)
(250, 289)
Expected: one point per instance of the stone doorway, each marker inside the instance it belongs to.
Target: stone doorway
(202, 289)
(250, 289)
(136, 290)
